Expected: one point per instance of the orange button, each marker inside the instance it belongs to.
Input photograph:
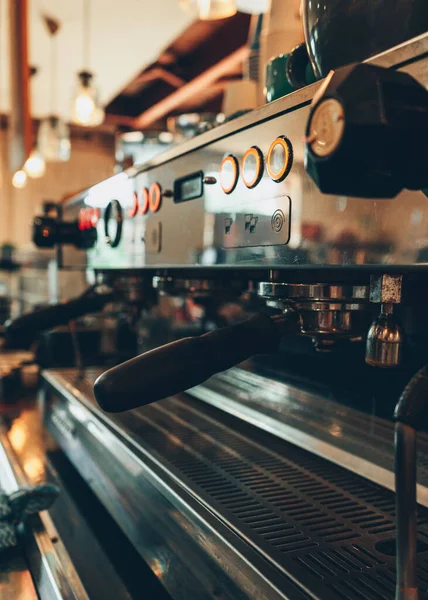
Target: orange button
(279, 158)
(155, 197)
(144, 200)
(229, 173)
(252, 167)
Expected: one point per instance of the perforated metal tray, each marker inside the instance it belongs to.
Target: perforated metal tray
(329, 529)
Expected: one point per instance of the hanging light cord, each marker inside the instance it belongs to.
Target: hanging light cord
(54, 72)
(86, 34)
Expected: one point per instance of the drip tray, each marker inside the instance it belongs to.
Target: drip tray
(328, 529)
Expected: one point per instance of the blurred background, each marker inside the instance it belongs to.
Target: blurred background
(92, 86)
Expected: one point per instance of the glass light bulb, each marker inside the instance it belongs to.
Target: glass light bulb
(35, 166)
(53, 140)
(84, 107)
(19, 180)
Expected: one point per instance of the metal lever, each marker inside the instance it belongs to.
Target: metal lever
(411, 414)
(183, 364)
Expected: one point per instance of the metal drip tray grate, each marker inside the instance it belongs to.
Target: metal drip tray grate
(325, 527)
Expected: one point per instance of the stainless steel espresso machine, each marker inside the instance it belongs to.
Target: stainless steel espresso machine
(295, 239)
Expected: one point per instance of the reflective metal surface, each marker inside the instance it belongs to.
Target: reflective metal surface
(303, 514)
(357, 441)
(51, 568)
(328, 313)
(258, 227)
(385, 340)
(190, 550)
(67, 523)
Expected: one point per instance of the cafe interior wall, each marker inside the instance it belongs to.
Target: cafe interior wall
(92, 159)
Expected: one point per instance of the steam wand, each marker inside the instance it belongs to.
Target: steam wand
(411, 414)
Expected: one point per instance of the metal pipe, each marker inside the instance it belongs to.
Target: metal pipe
(405, 486)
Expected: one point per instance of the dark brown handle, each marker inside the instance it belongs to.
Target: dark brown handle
(178, 366)
(23, 330)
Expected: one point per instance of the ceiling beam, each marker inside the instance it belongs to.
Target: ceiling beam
(20, 120)
(196, 86)
(153, 74)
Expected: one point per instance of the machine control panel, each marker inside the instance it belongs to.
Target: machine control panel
(267, 228)
(240, 196)
(176, 214)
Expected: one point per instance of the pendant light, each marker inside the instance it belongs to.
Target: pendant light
(210, 10)
(53, 139)
(35, 165)
(86, 108)
(19, 179)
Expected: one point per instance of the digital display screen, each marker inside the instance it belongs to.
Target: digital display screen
(189, 187)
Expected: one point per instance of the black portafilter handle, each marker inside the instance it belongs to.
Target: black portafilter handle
(183, 364)
(22, 331)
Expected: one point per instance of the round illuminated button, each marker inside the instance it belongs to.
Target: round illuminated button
(252, 167)
(134, 208)
(279, 158)
(229, 173)
(155, 197)
(144, 200)
(326, 127)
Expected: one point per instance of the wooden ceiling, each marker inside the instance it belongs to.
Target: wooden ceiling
(190, 75)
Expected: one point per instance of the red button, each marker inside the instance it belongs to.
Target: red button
(134, 209)
(144, 200)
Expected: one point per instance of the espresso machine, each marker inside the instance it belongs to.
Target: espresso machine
(278, 264)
